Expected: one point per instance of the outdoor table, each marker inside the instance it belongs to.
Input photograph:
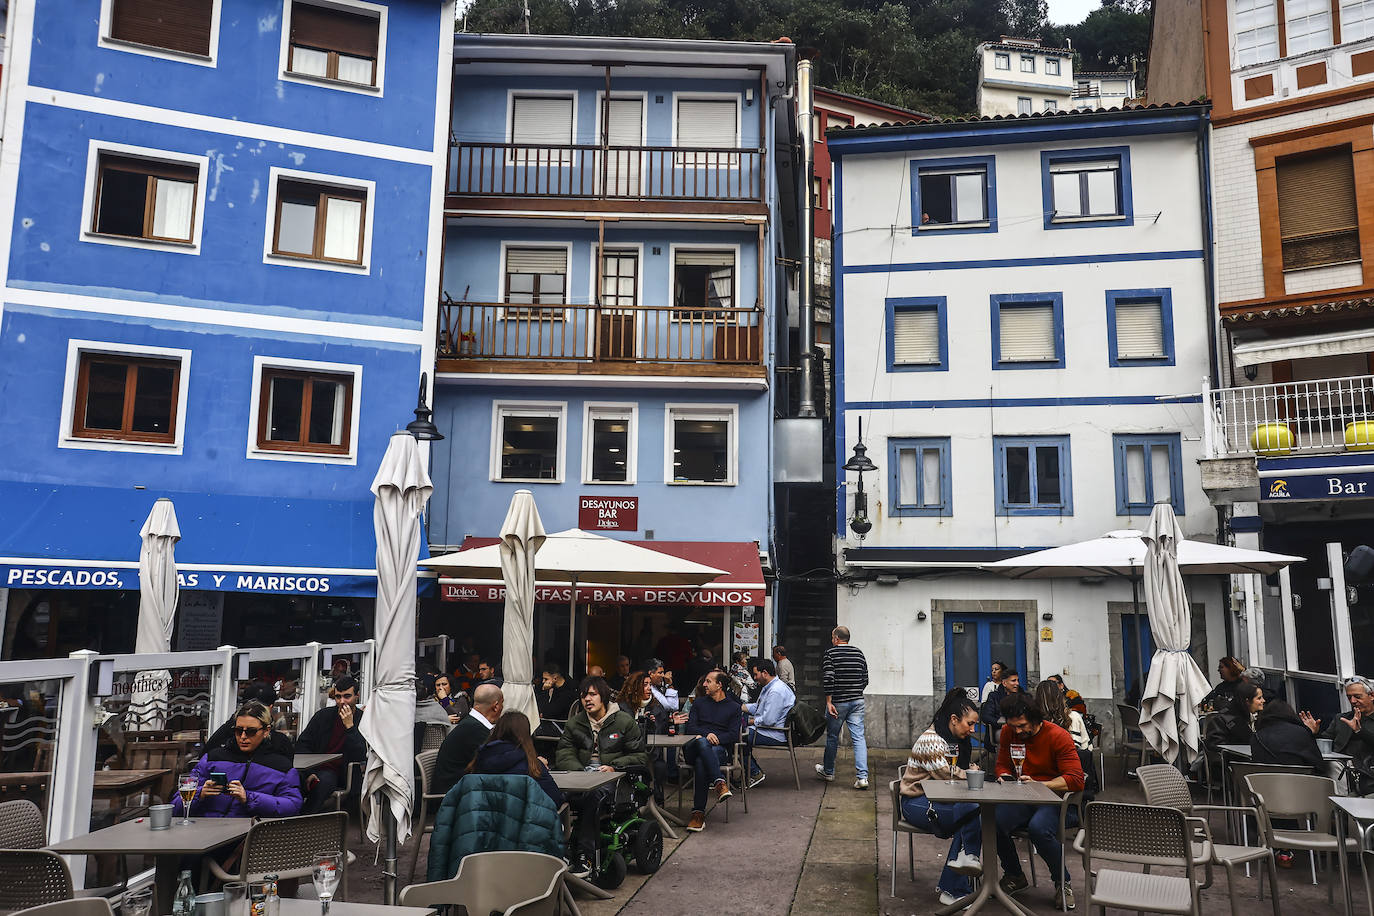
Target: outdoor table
(115, 785)
(132, 838)
(291, 906)
(987, 799)
(658, 814)
(577, 782)
(1242, 752)
(1361, 811)
(310, 761)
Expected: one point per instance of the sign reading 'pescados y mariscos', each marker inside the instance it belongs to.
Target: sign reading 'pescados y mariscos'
(274, 582)
(699, 596)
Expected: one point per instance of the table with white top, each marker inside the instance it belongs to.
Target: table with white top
(577, 782)
(652, 808)
(291, 906)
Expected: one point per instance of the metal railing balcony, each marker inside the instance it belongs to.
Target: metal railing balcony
(1313, 417)
(475, 331)
(668, 173)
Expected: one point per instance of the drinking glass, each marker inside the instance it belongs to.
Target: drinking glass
(137, 903)
(235, 898)
(326, 873)
(186, 787)
(1018, 758)
(952, 755)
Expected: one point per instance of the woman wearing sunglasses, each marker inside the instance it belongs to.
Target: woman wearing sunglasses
(248, 776)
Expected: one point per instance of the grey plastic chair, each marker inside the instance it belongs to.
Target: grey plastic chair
(1305, 798)
(434, 736)
(510, 883)
(425, 762)
(81, 906)
(1130, 741)
(791, 750)
(900, 826)
(32, 877)
(340, 796)
(1067, 802)
(1165, 786)
(286, 847)
(22, 825)
(1140, 835)
(1241, 796)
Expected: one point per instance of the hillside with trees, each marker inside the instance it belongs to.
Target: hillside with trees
(914, 53)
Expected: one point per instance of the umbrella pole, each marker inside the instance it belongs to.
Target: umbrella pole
(1139, 643)
(381, 804)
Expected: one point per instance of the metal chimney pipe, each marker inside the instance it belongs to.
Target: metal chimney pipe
(806, 118)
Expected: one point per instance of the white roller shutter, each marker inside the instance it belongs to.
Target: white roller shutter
(542, 120)
(1139, 330)
(536, 260)
(709, 123)
(915, 337)
(625, 123)
(1027, 334)
(704, 258)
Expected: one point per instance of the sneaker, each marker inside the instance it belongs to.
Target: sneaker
(1063, 897)
(1013, 884)
(698, 822)
(1284, 858)
(756, 781)
(723, 791)
(579, 868)
(861, 783)
(822, 774)
(948, 899)
(966, 863)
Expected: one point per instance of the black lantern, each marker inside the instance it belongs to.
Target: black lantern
(860, 523)
(422, 427)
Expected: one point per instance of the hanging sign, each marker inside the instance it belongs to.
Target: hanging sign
(1350, 485)
(608, 513)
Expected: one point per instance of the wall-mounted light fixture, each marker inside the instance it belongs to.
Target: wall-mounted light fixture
(859, 462)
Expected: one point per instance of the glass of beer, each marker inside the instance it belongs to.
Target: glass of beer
(186, 788)
(952, 756)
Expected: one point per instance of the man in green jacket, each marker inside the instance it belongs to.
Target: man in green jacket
(599, 736)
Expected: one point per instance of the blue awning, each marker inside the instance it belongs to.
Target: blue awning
(87, 537)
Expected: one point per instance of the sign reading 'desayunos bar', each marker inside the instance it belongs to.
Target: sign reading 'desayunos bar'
(1356, 485)
(608, 513)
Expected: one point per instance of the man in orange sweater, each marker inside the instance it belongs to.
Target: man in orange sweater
(1052, 760)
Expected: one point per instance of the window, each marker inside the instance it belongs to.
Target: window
(319, 222)
(701, 444)
(1028, 331)
(1309, 25)
(709, 123)
(703, 283)
(1051, 105)
(609, 439)
(1140, 327)
(1357, 19)
(1027, 63)
(920, 477)
(1090, 186)
(1033, 476)
(145, 199)
(330, 43)
(917, 336)
(536, 276)
(1051, 66)
(954, 195)
(1023, 105)
(1318, 217)
(1256, 31)
(183, 26)
(528, 442)
(305, 411)
(1001, 61)
(1149, 470)
(542, 121)
(127, 398)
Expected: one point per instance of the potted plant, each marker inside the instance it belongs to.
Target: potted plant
(1272, 440)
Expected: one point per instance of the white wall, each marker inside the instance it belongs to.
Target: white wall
(998, 89)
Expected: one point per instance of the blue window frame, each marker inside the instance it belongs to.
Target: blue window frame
(1033, 475)
(1140, 327)
(1149, 469)
(1083, 188)
(953, 195)
(917, 335)
(920, 477)
(1028, 331)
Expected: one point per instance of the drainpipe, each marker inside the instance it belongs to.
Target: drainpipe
(806, 117)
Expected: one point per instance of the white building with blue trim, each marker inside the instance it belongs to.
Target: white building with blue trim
(1023, 328)
(219, 243)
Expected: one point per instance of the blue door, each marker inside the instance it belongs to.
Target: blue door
(974, 641)
(1137, 650)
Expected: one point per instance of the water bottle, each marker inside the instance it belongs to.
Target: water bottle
(273, 895)
(184, 903)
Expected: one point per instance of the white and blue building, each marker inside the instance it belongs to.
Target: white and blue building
(1023, 328)
(219, 240)
(621, 215)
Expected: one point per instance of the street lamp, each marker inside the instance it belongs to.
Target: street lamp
(422, 427)
(860, 523)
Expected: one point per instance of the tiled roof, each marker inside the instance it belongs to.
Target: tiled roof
(1110, 74)
(1295, 310)
(1036, 49)
(1034, 116)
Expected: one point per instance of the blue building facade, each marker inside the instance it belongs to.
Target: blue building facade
(617, 220)
(219, 268)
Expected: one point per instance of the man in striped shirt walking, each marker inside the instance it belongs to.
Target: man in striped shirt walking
(844, 675)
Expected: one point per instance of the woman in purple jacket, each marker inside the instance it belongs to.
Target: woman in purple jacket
(258, 778)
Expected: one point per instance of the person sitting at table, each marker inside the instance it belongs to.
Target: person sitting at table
(461, 743)
(1049, 696)
(509, 751)
(428, 709)
(636, 697)
(1237, 724)
(990, 713)
(603, 737)
(1281, 737)
(333, 730)
(767, 717)
(1052, 760)
(1073, 700)
(1352, 733)
(455, 705)
(259, 780)
(954, 723)
(622, 673)
(714, 719)
(1256, 676)
(256, 692)
(556, 695)
(661, 683)
(1229, 668)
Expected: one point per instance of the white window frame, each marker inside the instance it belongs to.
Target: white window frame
(565, 160)
(132, 47)
(611, 410)
(275, 176)
(706, 246)
(1000, 57)
(687, 160)
(1029, 106)
(1027, 59)
(563, 315)
(75, 348)
(166, 157)
(726, 412)
(345, 6)
(502, 409)
(1365, 24)
(303, 365)
(1051, 62)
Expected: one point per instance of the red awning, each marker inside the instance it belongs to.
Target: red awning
(742, 584)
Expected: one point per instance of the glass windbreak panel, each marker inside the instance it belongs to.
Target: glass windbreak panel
(1362, 623)
(529, 448)
(1324, 699)
(28, 743)
(701, 450)
(1047, 475)
(280, 681)
(610, 449)
(1018, 475)
(153, 397)
(105, 395)
(1271, 617)
(963, 655)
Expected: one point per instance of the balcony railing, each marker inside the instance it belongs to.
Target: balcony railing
(616, 172)
(1323, 416)
(473, 331)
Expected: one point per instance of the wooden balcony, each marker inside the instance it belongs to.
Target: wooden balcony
(493, 337)
(612, 179)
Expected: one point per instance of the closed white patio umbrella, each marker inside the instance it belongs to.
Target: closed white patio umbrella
(157, 606)
(522, 534)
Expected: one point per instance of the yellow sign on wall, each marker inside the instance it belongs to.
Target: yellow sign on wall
(1047, 634)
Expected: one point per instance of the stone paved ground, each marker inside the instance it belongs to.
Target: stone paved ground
(826, 851)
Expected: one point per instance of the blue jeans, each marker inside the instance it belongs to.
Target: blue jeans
(705, 759)
(1042, 823)
(851, 713)
(945, 821)
(752, 740)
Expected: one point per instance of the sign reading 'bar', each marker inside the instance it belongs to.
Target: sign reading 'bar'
(608, 513)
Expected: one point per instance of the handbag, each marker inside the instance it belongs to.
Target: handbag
(806, 723)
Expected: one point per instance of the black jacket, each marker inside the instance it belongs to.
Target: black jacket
(459, 747)
(1222, 694)
(1228, 728)
(314, 738)
(1358, 744)
(556, 703)
(505, 759)
(1284, 739)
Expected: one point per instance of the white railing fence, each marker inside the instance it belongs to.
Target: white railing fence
(1313, 417)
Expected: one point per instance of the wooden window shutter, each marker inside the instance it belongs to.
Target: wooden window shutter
(1139, 330)
(915, 337)
(536, 261)
(1318, 217)
(177, 25)
(1027, 333)
(354, 34)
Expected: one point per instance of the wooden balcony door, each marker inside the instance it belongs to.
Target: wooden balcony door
(616, 335)
(624, 120)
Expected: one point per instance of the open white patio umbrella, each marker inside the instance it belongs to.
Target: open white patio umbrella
(157, 607)
(1168, 706)
(522, 534)
(402, 487)
(579, 557)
